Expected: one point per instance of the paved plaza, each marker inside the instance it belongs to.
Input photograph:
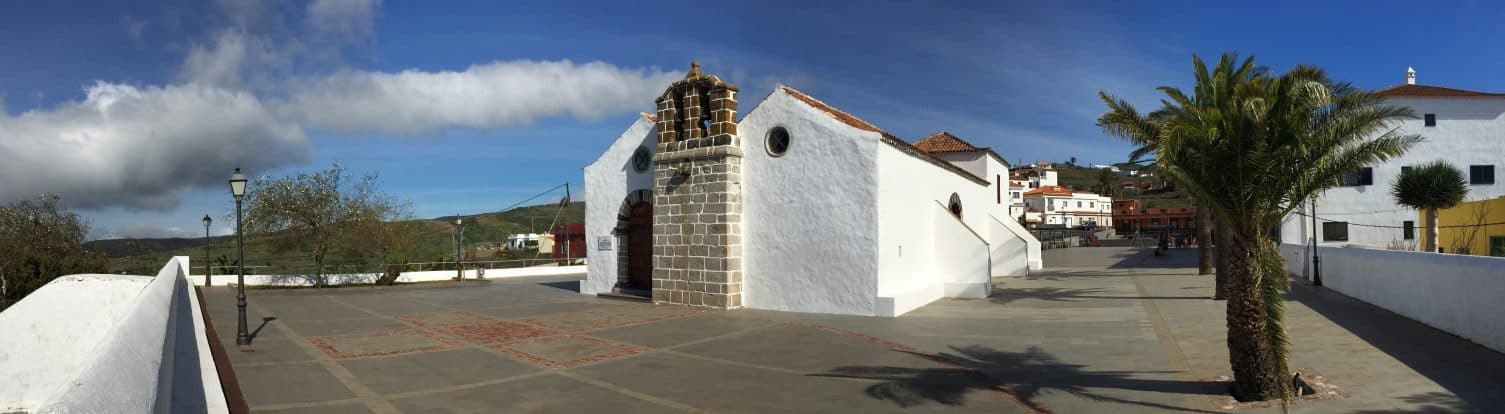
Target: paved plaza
(1101, 330)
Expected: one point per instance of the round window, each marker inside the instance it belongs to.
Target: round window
(778, 141)
(641, 159)
(955, 205)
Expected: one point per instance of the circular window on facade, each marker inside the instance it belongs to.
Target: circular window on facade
(641, 159)
(778, 141)
(955, 205)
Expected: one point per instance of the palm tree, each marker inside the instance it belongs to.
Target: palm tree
(1107, 183)
(1251, 147)
(1214, 94)
(1430, 187)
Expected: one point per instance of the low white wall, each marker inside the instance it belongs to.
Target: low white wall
(1014, 250)
(1463, 295)
(405, 277)
(138, 347)
(962, 258)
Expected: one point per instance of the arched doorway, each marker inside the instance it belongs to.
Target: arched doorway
(640, 247)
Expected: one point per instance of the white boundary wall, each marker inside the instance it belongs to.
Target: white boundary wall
(405, 277)
(1462, 295)
(139, 346)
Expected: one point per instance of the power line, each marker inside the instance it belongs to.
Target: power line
(1394, 227)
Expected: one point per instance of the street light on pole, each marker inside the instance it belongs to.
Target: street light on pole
(238, 190)
(208, 277)
(459, 269)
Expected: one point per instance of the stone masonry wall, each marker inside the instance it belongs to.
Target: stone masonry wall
(697, 195)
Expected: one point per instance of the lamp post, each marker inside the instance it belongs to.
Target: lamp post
(1316, 258)
(238, 190)
(459, 270)
(208, 276)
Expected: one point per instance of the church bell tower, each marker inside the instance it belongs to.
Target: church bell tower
(697, 194)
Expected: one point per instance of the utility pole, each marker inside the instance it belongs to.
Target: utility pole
(1316, 259)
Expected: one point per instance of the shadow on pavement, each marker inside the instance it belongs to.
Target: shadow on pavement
(1430, 402)
(1468, 370)
(252, 336)
(569, 285)
(1022, 376)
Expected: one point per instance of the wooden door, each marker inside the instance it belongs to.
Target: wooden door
(640, 247)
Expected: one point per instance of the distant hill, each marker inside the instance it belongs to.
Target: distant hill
(435, 241)
(134, 247)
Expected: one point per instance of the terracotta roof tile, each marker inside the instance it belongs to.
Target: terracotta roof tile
(1425, 91)
(858, 123)
(840, 115)
(944, 142)
(1049, 190)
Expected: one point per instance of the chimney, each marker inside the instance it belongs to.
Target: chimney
(1410, 76)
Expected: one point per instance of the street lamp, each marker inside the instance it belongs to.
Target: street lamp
(238, 190)
(208, 276)
(459, 269)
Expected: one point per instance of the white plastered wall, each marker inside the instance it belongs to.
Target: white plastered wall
(908, 190)
(809, 227)
(608, 181)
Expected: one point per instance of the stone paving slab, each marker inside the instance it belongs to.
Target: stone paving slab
(1101, 330)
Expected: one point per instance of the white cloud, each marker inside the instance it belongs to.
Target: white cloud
(488, 96)
(233, 59)
(350, 19)
(141, 147)
(144, 230)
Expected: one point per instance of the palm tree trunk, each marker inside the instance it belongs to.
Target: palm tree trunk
(1432, 231)
(1204, 241)
(1257, 374)
(1220, 278)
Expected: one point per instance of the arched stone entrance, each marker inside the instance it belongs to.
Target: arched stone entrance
(635, 243)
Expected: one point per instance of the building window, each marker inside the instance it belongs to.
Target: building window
(641, 159)
(1481, 174)
(1362, 176)
(955, 205)
(1405, 169)
(1078, 204)
(1497, 246)
(1431, 119)
(1408, 230)
(1335, 231)
(778, 141)
(998, 181)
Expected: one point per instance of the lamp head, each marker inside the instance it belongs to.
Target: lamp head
(207, 221)
(238, 184)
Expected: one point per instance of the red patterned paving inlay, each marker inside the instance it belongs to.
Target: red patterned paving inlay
(617, 316)
(494, 332)
(385, 343)
(429, 320)
(566, 351)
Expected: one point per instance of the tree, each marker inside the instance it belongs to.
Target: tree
(1107, 183)
(40, 241)
(314, 212)
(1430, 187)
(1251, 147)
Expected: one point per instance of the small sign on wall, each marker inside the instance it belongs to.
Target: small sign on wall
(603, 242)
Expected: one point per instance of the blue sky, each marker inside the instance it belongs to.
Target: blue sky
(137, 111)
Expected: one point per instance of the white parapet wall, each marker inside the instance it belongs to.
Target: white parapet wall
(405, 277)
(109, 343)
(1460, 294)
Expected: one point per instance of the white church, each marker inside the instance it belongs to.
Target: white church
(797, 206)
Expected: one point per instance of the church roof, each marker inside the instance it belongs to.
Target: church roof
(1427, 91)
(944, 142)
(896, 142)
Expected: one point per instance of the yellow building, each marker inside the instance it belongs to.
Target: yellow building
(1474, 227)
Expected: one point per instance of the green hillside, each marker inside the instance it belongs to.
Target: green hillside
(435, 243)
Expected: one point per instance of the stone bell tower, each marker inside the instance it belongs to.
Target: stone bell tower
(697, 194)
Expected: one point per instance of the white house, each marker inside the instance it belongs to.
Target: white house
(1463, 128)
(1062, 206)
(797, 206)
